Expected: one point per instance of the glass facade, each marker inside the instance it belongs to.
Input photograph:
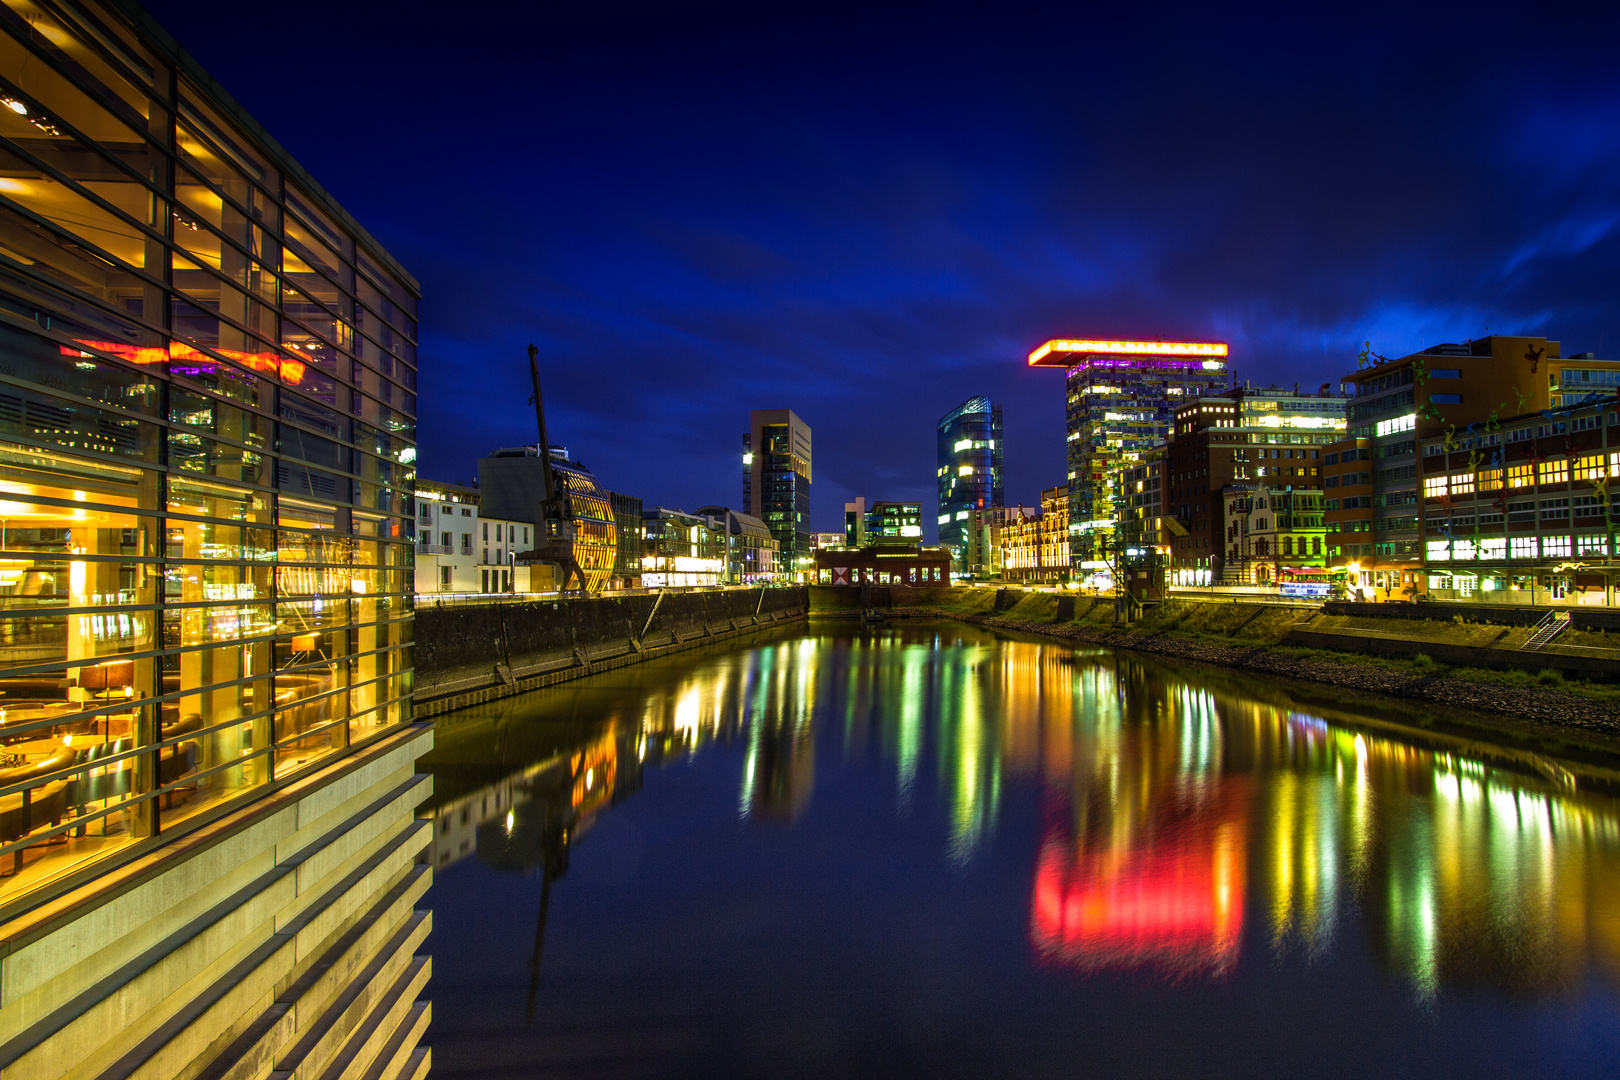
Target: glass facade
(596, 537)
(207, 447)
(1117, 407)
(970, 450)
(776, 483)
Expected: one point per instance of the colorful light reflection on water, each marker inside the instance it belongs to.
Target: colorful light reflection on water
(1182, 830)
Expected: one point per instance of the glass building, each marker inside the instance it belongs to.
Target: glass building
(1119, 399)
(776, 482)
(207, 447)
(969, 440)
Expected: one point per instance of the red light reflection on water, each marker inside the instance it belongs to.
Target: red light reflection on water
(1170, 897)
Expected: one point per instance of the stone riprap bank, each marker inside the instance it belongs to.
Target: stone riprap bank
(470, 653)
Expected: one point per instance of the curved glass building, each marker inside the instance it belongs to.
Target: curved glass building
(596, 537)
(969, 467)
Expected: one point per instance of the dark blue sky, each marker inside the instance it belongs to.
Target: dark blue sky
(869, 217)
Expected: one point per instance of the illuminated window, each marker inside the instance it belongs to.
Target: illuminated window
(1434, 487)
(1555, 546)
(1493, 548)
(1491, 479)
(1554, 472)
(1439, 550)
(1592, 545)
(1519, 476)
(1589, 467)
(1524, 547)
(1462, 483)
(1463, 549)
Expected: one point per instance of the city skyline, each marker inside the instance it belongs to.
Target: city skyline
(871, 256)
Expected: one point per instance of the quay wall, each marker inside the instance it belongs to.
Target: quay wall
(1326, 644)
(470, 653)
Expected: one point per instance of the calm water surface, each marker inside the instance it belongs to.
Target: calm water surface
(935, 852)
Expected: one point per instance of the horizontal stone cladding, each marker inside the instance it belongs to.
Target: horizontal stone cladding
(284, 938)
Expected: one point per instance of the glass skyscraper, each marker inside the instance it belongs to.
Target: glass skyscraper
(1119, 399)
(776, 482)
(207, 447)
(970, 475)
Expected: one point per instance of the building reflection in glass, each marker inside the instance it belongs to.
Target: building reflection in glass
(1184, 814)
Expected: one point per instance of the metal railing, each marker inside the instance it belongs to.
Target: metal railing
(434, 549)
(1554, 624)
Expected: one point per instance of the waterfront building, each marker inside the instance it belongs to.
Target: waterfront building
(855, 523)
(1462, 391)
(446, 538)
(1244, 435)
(627, 531)
(681, 550)
(885, 564)
(207, 444)
(1274, 536)
(776, 482)
(981, 553)
(881, 523)
(826, 541)
(1036, 550)
(1141, 503)
(500, 543)
(1520, 511)
(511, 487)
(892, 522)
(969, 447)
(1119, 398)
(460, 550)
(750, 548)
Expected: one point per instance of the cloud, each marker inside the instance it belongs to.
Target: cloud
(871, 217)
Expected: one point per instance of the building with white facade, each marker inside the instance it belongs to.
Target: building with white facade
(447, 555)
(459, 551)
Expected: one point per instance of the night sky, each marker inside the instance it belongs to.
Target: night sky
(869, 217)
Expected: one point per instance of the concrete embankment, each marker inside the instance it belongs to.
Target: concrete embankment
(470, 653)
(1475, 665)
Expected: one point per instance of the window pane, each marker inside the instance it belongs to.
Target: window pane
(50, 37)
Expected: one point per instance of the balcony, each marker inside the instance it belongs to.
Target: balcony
(435, 549)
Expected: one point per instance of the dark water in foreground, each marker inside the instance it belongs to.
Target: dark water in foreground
(934, 852)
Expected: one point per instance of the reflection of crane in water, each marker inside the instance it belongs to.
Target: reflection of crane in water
(556, 864)
(559, 805)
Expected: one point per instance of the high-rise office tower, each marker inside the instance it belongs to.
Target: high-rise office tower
(776, 481)
(1120, 395)
(969, 440)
